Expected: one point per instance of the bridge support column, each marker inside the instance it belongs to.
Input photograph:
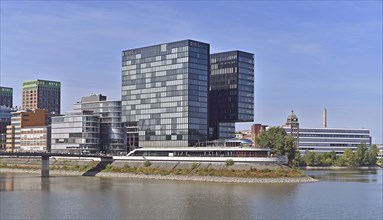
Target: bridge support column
(44, 166)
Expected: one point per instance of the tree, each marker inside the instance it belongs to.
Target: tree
(362, 154)
(274, 138)
(309, 158)
(297, 160)
(348, 158)
(290, 149)
(373, 154)
(280, 143)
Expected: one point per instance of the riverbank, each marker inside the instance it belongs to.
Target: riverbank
(218, 179)
(183, 171)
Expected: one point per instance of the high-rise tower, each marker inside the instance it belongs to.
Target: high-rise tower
(165, 93)
(231, 92)
(42, 94)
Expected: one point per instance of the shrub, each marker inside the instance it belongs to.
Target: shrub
(147, 163)
(229, 162)
(252, 169)
(194, 165)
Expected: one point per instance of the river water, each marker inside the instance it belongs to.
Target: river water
(345, 194)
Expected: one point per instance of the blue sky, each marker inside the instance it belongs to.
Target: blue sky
(310, 55)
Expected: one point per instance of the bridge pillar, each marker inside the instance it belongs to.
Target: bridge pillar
(44, 166)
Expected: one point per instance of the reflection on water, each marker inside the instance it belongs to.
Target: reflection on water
(346, 175)
(340, 194)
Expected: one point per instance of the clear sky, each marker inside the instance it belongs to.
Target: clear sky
(310, 55)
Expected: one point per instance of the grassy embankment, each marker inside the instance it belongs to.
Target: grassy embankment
(192, 170)
(226, 172)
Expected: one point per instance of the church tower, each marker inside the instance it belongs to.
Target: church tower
(293, 124)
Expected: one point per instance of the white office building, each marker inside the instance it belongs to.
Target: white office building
(322, 140)
(77, 132)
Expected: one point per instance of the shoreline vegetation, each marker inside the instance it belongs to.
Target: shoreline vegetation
(280, 143)
(201, 172)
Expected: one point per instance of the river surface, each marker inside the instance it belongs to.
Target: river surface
(340, 194)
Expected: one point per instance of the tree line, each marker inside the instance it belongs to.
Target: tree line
(283, 144)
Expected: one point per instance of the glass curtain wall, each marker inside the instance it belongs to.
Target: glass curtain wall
(165, 93)
(231, 91)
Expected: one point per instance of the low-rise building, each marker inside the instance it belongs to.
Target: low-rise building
(323, 140)
(35, 139)
(23, 119)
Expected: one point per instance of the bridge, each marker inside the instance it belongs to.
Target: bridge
(45, 158)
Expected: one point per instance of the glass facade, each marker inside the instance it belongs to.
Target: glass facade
(5, 118)
(165, 93)
(112, 130)
(231, 90)
(226, 130)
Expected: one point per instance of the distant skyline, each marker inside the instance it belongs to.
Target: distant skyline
(309, 55)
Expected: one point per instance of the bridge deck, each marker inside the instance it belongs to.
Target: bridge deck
(42, 154)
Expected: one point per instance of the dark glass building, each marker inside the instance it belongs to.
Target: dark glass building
(6, 96)
(165, 93)
(231, 92)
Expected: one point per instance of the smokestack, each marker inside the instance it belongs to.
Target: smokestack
(325, 118)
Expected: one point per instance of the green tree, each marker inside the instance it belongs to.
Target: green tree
(280, 144)
(309, 158)
(274, 138)
(332, 155)
(362, 155)
(297, 160)
(373, 154)
(291, 150)
(348, 158)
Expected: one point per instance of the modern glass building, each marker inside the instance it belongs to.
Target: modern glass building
(112, 130)
(77, 132)
(42, 94)
(322, 140)
(231, 92)
(165, 93)
(6, 96)
(5, 118)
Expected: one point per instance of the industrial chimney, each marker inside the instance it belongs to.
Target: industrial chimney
(325, 118)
